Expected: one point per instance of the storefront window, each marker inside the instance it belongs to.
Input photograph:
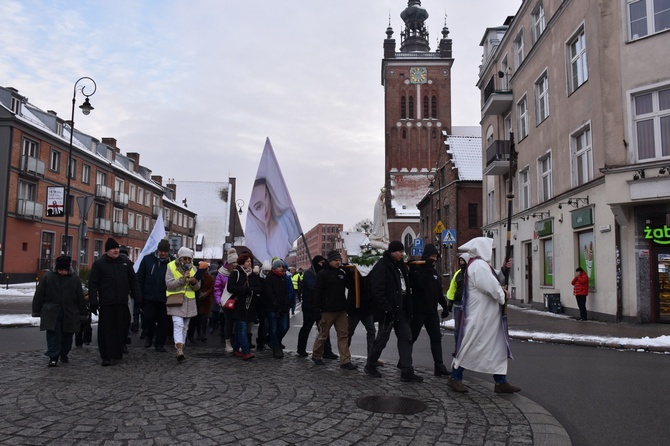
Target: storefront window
(548, 261)
(587, 255)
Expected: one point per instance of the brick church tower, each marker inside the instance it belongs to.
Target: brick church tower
(417, 103)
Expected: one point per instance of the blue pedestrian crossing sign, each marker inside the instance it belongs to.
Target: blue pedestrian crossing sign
(449, 237)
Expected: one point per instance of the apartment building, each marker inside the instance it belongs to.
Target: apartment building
(584, 87)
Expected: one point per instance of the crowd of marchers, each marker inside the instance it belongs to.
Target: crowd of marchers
(181, 300)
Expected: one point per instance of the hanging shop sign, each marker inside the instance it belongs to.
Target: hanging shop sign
(544, 227)
(582, 217)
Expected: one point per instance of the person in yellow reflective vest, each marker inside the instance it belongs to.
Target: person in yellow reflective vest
(455, 292)
(182, 278)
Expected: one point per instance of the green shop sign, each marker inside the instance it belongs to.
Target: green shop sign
(544, 227)
(582, 217)
(658, 235)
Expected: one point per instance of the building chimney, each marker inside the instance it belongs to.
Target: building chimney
(136, 159)
(111, 142)
(51, 112)
(157, 178)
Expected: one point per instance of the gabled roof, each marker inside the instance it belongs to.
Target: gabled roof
(466, 154)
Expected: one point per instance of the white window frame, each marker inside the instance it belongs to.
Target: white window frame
(522, 118)
(86, 174)
(490, 206)
(578, 67)
(524, 189)
(147, 198)
(542, 98)
(131, 220)
(138, 223)
(131, 192)
(140, 195)
(118, 215)
(657, 117)
(147, 224)
(544, 178)
(538, 21)
(519, 55)
(648, 19)
(54, 160)
(581, 155)
(30, 148)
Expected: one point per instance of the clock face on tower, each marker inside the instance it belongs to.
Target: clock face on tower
(418, 75)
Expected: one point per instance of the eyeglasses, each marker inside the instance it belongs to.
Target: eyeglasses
(188, 259)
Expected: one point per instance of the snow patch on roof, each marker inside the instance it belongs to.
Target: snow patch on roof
(466, 154)
(407, 189)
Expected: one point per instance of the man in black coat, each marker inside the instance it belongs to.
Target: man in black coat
(151, 280)
(391, 297)
(111, 281)
(307, 287)
(426, 294)
(330, 308)
(60, 305)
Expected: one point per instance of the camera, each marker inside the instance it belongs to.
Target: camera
(186, 267)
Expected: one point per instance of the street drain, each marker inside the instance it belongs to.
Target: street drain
(390, 404)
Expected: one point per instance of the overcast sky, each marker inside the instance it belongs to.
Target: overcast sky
(196, 86)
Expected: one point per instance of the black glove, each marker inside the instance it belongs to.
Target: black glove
(94, 309)
(450, 305)
(445, 313)
(317, 316)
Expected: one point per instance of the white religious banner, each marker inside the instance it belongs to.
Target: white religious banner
(272, 222)
(157, 234)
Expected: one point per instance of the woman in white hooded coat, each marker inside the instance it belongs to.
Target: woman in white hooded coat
(483, 341)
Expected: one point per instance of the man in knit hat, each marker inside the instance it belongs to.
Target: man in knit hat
(426, 295)
(330, 308)
(392, 298)
(111, 281)
(60, 305)
(151, 278)
(277, 302)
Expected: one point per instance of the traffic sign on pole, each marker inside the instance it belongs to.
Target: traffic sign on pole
(449, 237)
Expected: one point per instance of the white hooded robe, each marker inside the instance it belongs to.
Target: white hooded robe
(483, 346)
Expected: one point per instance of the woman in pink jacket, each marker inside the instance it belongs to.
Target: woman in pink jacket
(581, 289)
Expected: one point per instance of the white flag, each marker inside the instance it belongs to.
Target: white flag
(157, 234)
(272, 223)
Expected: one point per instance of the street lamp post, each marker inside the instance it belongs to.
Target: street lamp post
(240, 204)
(86, 108)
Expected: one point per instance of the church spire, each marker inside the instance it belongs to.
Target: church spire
(415, 35)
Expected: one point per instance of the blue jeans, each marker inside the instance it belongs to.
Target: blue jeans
(241, 339)
(277, 326)
(457, 374)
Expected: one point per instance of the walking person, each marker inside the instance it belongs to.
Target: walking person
(180, 279)
(110, 283)
(455, 294)
(60, 305)
(391, 296)
(580, 284)
(245, 287)
(151, 279)
(330, 308)
(277, 303)
(360, 311)
(221, 296)
(426, 295)
(308, 321)
(483, 344)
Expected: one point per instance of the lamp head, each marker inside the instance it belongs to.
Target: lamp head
(86, 107)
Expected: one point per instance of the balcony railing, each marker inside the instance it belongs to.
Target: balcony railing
(120, 198)
(496, 100)
(103, 192)
(29, 209)
(102, 225)
(497, 158)
(120, 228)
(32, 166)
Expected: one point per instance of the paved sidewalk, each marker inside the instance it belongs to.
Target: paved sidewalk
(150, 399)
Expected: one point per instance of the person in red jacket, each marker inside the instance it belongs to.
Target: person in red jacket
(581, 289)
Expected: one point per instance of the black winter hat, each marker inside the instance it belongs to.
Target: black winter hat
(395, 246)
(164, 245)
(334, 255)
(111, 244)
(430, 250)
(63, 262)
